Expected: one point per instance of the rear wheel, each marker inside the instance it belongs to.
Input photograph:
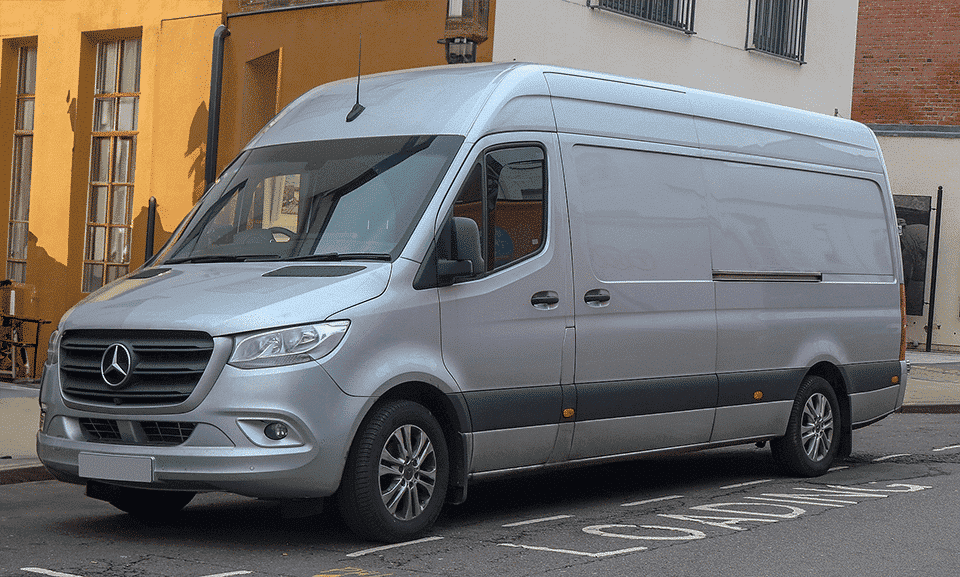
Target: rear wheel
(396, 477)
(148, 505)
(813, 431)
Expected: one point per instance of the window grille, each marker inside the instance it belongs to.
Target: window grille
(777, 27)
(676, 14)
(22, 166)
(112, 163)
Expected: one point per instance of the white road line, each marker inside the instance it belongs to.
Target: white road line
(46, 572)
(800, 501)
(532, 521)
(840, 468)
(667, 498)
(879, 459)
(394, 546)
(946, 448)
(571, 552)
(738, 485)
(230, 574)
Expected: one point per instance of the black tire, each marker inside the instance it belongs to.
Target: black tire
(395, 480)
(150, 506)
(813, 431)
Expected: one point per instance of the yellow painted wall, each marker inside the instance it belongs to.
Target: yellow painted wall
(270, 59)
(320, 44)
(174, 83)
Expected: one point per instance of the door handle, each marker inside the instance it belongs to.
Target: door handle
(545, 300)
(597, 298)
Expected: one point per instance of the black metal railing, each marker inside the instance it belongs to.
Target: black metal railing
(676, 14)
(777, 27)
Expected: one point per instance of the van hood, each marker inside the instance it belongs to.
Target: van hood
(229, 298)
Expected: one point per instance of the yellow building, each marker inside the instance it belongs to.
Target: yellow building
(106, 103)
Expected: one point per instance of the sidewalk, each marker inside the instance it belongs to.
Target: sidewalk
(933, 386)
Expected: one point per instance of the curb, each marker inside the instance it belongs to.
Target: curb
(25, 474)
(944, 409)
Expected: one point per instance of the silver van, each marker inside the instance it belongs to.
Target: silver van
(482, 270)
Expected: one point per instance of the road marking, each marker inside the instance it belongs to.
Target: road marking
(230, 574)
(667, 498)
(532, 521)
(804, 501)
(46, 572)
(946, 448)
(600, 555)
(738, 485)
(840, 468)
(877, 460)
(394, 546)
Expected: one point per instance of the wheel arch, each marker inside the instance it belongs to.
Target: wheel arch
(451, 412)
(832, 374)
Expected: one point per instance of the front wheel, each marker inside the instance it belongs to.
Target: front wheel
(813, 431)
(395, 481)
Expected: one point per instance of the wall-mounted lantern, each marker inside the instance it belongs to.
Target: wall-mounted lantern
(466, 27)
(460, 50)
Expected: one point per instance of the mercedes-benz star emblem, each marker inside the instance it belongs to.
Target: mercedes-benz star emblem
(116, 365)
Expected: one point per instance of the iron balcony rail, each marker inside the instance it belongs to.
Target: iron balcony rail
(778, 28)
(676, 14)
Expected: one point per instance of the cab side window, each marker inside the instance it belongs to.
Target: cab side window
(505, 194)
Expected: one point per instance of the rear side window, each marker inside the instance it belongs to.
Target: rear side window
(505, 194)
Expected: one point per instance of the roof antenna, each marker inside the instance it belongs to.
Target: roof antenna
(357, 108)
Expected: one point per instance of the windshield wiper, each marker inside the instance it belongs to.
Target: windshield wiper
(222, 258)
(338, 256)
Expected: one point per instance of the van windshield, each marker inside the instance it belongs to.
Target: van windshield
(328, 200)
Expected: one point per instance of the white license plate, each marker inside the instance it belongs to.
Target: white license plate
(116, 468)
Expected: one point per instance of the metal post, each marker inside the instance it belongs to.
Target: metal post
(933, 272)
(151, 225)
(213, 112)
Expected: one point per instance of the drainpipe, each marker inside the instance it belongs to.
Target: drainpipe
(213, 113)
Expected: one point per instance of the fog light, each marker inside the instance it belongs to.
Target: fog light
(275, 431)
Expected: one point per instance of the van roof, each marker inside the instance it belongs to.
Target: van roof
(478, 99)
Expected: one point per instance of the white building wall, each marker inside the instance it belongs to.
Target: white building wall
(918, 166)
(569, 33)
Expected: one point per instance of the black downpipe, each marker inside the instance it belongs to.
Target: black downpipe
(213, 114)
(933, 273)
(151, 226)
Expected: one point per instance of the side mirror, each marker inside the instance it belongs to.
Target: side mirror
(458, 250)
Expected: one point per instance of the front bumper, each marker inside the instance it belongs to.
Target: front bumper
(225, 448)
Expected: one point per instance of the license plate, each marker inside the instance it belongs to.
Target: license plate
(116, 468)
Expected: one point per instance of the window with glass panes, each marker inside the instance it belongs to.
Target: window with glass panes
(22, 166)
(112, 163)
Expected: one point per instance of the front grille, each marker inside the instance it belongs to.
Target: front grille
(169, 365)
(102, 430)
(135, 432)
(166, 433)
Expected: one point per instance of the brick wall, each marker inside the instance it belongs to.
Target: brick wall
(907, 68)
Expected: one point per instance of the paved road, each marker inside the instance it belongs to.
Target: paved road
(891, 509)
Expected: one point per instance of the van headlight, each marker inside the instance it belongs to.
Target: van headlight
(289, 346)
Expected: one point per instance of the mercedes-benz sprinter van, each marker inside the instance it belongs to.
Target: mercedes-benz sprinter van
(483, 270)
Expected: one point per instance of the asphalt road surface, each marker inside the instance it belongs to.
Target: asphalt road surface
(893, 508)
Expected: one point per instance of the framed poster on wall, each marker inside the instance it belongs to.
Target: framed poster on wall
(913, 215)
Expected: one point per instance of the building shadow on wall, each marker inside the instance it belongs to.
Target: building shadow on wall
(197, 145)
(160, 234)
(50, 278)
